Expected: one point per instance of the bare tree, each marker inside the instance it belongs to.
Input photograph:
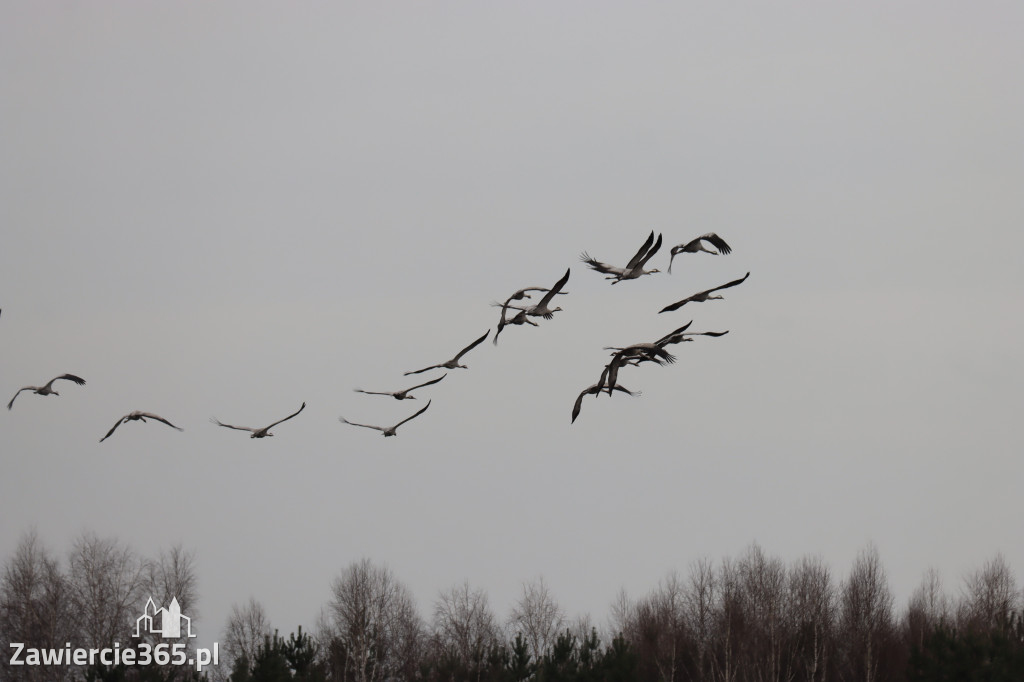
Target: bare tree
(927, 609)
(763, 587)
(247, 629)
(661, 626)
(700, 613)
(866, 617)
(172, 575)
(812, 612)
(620, 614)
(582, 626)
(537, 617)
(465, 627)
(107, 588)
(371, 626)
(990, 596)
(33, 609)
(730, 623)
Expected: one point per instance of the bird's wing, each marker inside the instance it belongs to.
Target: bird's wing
(366, 426)
(646, 351)
(286, 418)
(26, 388)
(521, 294)
(504, 309)
(415, 415)
(579, 400)
(214, 420)
(663, 354)
(717, 242)
(427, 383)
(501, 325)
(471, 346)
(654, 250)
(160, 419)
(418, 371)
(625, 390)
(672, 340)
(676, 306)
(114, 428)
(70, 377)
(541, 289)
(728, 284)
(640, 254)
(598, 265)
(555, 289)
(711, 333)
(663, 340)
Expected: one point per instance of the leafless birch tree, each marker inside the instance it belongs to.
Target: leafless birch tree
(464, 626)
(247, 628)
(107, 589)
(537, 617)
(812, 611)
(372, 630)
(866, 617)
(990, 596)
(34, 609)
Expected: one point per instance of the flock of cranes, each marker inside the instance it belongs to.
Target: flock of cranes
(512, 314)
(655, 352)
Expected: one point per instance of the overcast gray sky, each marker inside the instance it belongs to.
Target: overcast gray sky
(231, 208)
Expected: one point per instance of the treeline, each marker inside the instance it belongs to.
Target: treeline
(89, 601)
(753, 618)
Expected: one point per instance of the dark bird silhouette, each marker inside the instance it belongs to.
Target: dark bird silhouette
(543, 309)
(644, 352)
(138, 416)
(703, 295)
(388, 430)
(595, 390)
(521, 317)
(257, 433)
(47, 388)
(402, 395)
(518, 318)
(697, 246)
(678, 335)
(634, 268)
(687, 337)
(454, 362)
(634, 354)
